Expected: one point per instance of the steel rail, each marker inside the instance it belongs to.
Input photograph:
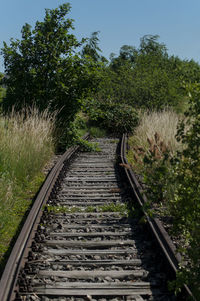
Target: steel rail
(20, 249)
(162, 237)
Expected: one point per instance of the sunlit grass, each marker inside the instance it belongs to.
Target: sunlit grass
(26, 145)
(154, 129)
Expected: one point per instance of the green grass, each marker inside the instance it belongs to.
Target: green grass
(112, 207)
(26, 145)
(97, 132)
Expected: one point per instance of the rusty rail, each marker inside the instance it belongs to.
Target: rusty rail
(15, 261)
(162, 237)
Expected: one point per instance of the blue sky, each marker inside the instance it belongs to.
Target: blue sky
(120, 22)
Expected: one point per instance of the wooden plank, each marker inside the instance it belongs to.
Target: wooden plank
(91, 173)
(88, 221)
(101, 180)
(82, 203)
(90, 244)
(92, 186)
(78, 262)
(106, 226)
(85, 178)
(108, 285)
(95, 214)
(87, 164)
(92, 253)
(91, 169)
(91, 191)
(87, 197)
(89, 234)
(79, 274)
(92, 292)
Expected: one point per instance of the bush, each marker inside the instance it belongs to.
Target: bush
(114, 117)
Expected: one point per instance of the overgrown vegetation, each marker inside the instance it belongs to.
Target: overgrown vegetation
(112, 207)
(26, 146)
(147, 77)
(72, 81)
(115, 118)
(169, 162)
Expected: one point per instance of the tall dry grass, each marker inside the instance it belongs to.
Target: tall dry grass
(26, 145)
(164, 123)
(154, 126)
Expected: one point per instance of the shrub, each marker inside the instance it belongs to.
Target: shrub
(116, 118)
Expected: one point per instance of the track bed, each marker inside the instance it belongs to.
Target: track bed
(87, 247)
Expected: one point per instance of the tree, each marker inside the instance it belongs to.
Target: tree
(92, 50)
(2, 89)
(145, 77)
(44, 70)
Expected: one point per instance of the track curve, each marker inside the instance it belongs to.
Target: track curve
(84, 245)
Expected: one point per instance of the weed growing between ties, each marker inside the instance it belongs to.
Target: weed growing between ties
(26, 146)
(112, 207)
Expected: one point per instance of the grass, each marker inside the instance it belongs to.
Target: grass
(112, 207)
(155, 130)
(26, 145)
(97, 132)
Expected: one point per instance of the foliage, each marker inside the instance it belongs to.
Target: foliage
(172, 179)
(92, 50)
(147, 77)
(116, 118)
(2, 90)
(44, 70)
(185, 205)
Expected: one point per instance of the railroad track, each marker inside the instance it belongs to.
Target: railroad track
(83, 245)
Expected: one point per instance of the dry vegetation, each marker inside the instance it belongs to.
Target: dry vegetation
(154, 135)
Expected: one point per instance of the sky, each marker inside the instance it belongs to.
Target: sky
(120, 22)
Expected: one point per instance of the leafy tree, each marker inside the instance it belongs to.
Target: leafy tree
(43, 69)
(92, 50)
(2, 90)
